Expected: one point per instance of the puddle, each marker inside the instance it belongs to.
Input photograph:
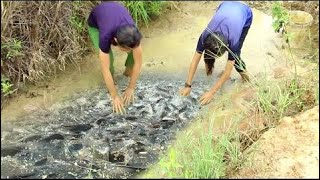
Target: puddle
(45, 137)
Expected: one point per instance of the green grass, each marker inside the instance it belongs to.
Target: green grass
(77, 19)
(12, 49)
(6, 86)
(280, 16)
(276, 98)
(200, 152)
(143, 11)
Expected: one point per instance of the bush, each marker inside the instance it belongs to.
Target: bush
(280, 16)
(40, 37)
(6, 87)
(144, 10)
(37, 37)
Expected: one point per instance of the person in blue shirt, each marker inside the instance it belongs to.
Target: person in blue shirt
(226, 31)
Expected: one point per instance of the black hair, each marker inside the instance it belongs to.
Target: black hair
(128, 36)
(209, 62)
(215, 45)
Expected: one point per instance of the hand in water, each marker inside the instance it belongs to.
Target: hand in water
(206, 98)
(128, 96)
(185, 91)
(117, 105)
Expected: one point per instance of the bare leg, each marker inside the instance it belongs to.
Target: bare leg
(129, 65)
(128, 72)
(245, 77)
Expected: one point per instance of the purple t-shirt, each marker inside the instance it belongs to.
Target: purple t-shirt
(108, 17)
(229, 21)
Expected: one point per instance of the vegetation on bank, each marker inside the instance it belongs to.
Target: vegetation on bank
(39, 38)
(205, 151)
(143, 11)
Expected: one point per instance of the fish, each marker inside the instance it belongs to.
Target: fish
(52, 137)
(75, 147)
(128, 141)
(11, 151)
(32, 138)
(41, 162)
(78, 128)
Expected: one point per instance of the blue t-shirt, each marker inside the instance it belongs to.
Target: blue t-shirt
(108, 17)
(229, 21)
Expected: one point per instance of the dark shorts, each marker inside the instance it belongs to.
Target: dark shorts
(240, 66)
(239, 63)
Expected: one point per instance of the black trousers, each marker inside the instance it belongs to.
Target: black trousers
(240, 65)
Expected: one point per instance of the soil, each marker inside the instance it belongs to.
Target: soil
(290, 150)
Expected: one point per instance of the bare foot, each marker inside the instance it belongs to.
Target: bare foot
(128, 72)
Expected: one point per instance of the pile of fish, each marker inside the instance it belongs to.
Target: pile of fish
(81, 137)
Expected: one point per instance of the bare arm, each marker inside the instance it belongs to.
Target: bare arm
(116, 101)
(207, 97)
(193, 66)
(137, 56)
(192, 70)
(105, 64)
(129, 93)
(225, 76)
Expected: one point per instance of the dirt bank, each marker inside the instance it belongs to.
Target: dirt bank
(291, 150)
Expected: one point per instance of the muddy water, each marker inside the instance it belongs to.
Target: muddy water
(66, 126)
(81, 134)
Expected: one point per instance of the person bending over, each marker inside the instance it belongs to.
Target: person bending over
(226, 31)
(111, 24)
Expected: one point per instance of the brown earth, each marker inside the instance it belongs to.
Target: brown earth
(290, 150)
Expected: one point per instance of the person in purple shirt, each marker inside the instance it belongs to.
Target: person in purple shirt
(226, 31)
(110, 23)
